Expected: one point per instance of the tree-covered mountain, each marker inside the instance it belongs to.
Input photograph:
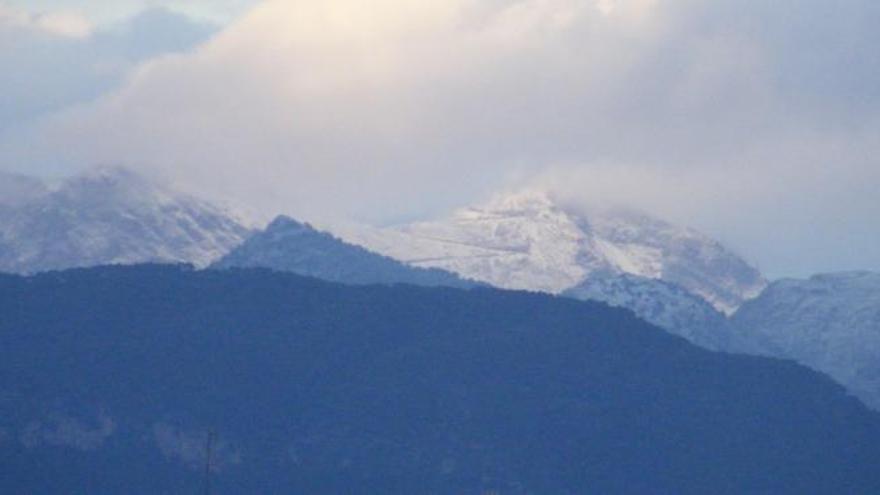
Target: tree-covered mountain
(111, 379)
(290, 246)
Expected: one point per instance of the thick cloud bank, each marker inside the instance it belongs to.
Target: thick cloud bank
(757, 121)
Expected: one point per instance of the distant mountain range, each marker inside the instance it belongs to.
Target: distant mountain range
(114, 379)
(673, 277)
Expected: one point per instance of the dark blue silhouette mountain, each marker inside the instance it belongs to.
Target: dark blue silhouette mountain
(111, 379)
(291, 246)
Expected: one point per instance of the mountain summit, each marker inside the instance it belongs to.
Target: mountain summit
(531, 241)
(113, 216)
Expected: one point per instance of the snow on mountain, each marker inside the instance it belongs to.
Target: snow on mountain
(18, 189)
(661, 303)
(529, 241)
(114, 216)
(291, 246)
(828, 322)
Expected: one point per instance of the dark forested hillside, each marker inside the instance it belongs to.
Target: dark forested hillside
(111, 379)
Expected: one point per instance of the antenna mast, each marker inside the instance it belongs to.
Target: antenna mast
(209, 451)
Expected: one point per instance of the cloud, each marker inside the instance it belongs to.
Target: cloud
(53, 60)
(151, 33)
(341, 98)
(61, 23)
(109, 11)
(709, 112)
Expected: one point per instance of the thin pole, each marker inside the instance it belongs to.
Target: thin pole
(209, 447)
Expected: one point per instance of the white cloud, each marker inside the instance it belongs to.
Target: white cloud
(58, 23)
(708, 111)
(50, 61)
(320, 92)
(109, 11)
(64, 24)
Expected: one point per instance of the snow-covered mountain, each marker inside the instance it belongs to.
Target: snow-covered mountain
(17, 189)
(291, 246)
(112, 216)
(530, 241)
(828, 322)
(664, 304)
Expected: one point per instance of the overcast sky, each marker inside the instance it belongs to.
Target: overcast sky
(757, 122)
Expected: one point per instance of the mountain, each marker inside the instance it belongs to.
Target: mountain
(829, 322)
(16, 189)
(306, 386)
(531, 241)
(113, 216)
(661, 303)
(291, 246)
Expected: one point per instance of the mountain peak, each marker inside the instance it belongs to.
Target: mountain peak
(297, 247)
(109, 173)
(530, 240)
(289, 224)
(113, 215)
(525, 200)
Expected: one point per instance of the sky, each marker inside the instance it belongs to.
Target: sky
(109, 11)
(756, 122)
